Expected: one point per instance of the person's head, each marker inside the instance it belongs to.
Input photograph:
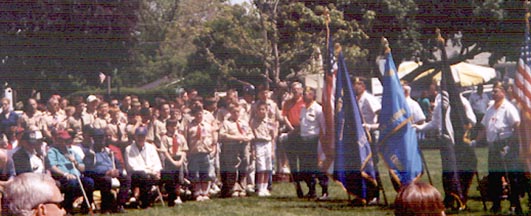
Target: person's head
(145, 113)
(419, 199)
(103, 108)
(6, 104)
(249, 92)
(92, 102)
(296, 89)
(63, 138)
(197, 113)
(359, 85)
(480, 89)
(126, 101)
(63, 103)
(140, 135)
(171, 126)
(31, 140)
(263, 94)
(31, 105)
(131, 116)
(407, 90)
(164, 110)
(176, 113)
(234, 110)
(114, 113)
(53, 105)
(34, 194)
(261, 109)
(211, 104)
(498, 92)
(114, 103)
(99, 136)
(309, 94)
(70, 110)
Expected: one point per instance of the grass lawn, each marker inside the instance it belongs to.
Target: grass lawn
(284, 201)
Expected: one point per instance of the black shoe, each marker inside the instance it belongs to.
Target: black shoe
(495, 209)
(311, 195)
(300, 194)
(120, 209)
(358, 202)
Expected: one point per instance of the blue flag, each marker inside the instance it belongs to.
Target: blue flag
(353, 165)
(398, 140)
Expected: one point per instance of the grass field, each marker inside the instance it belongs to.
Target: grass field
(284, 201)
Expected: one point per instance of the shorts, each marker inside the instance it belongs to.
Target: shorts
(199, 167)
(263, 156)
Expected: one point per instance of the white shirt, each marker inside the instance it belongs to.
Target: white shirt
(415, 109)
(369, 105)
(499, 123)
(479, 102)
(147, 159)
(312, 120)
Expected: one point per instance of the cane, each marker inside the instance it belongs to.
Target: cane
(425, 166)
(85, 197)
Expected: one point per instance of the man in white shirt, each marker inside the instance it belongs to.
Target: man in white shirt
(414, 106)
(479, 102)
(311, 125)
(144, 164)
(500, 124)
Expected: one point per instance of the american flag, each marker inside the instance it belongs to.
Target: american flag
(329, 89)
(523, 77)
(522, 93)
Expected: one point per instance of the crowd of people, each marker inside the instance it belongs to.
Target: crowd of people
(135, 152)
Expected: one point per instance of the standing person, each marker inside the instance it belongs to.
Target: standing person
(500, 124)
(66, 166)
(174, 147)
(292, 111)
(369, 108)
(234, 135)
(200, 138)
(34, 194)
(480, 102)
(424, 102)
(312, 126)
(103, 167)
(144, 166)
(264, 133)
(414, 106)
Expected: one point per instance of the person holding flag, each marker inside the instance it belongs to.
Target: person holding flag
(353, 164)
(398, 141)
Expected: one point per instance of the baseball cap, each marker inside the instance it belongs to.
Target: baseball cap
(141, 131)
(63, 134)
(91, 98)
(32, 136)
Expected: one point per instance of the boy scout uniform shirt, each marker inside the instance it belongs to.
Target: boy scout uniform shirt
(167, 145)
(76, 125)
(199, 142)
(230, 127)
(262, 129)
(32, 123)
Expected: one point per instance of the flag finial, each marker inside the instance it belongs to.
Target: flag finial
(337, 49)
(438, 34)
(385, 45)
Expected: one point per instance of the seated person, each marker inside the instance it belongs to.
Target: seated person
(419, 198)
(143, 164)
(27, 157)
(102, 166)
(66, 167)
(34, 194)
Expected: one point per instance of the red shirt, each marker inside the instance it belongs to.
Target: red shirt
(292, 110)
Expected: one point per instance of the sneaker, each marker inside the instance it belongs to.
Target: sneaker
(243, 194)
(250, 189)
(216, 188)
(199, 198)
(374, 201)
(267, 193)
(323, 197)
(235, 194)
(205, 198)
(178, 201)
(132, 200)
(285, 170)
(262, 193)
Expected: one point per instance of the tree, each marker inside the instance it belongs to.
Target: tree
(62, 46)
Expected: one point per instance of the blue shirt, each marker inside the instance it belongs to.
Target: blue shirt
(58, 159)
(100, 162)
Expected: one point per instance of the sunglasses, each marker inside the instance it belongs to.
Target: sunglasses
(57, 204)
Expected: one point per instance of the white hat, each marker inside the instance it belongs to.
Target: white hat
(91, 98)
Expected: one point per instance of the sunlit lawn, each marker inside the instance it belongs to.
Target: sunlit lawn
(284, 202)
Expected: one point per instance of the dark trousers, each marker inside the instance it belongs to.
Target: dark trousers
(171, 179)
(104, 184)
(144, 182)
(450, 175)
(234, 159)
(72, 189)
(504, 161)
(466, 162)
(304, 152)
